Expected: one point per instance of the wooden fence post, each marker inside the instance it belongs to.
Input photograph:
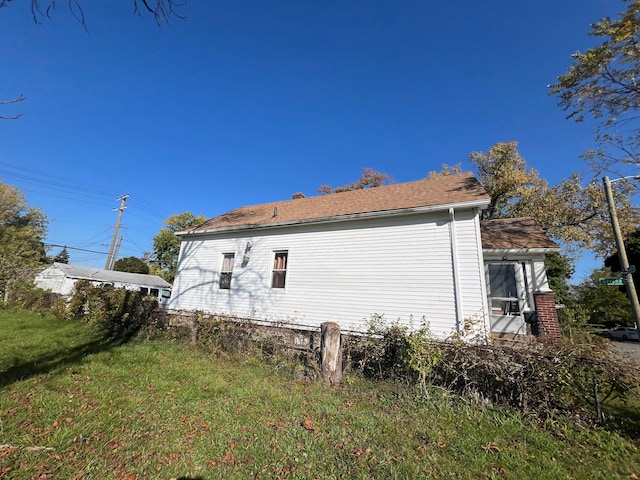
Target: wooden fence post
(331, 353)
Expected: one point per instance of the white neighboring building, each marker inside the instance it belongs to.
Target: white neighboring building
(411, 252)
(60, 278)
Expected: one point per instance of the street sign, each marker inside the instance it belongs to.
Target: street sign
(611, 281)
(631, 269)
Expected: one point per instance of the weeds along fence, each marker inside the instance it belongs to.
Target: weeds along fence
(570, 379)
(545, 380)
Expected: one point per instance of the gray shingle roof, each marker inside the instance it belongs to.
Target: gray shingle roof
(97, 274)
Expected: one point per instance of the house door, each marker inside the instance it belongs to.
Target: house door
(507, 297)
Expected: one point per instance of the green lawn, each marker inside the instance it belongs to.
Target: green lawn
(75, 406)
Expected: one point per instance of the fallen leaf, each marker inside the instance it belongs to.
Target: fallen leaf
(274, 445)
(360, 451)
(308, 424)
(229, 458)
(499, 470)
(490, 447)
(275, 425)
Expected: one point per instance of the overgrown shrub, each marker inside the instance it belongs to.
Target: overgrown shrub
(242, 339)
(27, 296)
(219, 335)
(542, 379)
(121, 313)
(381, 353)
(546, 380)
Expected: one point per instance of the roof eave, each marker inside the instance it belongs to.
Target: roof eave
(500, 251)
(341, 218)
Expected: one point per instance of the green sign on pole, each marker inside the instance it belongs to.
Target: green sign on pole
(611, 281)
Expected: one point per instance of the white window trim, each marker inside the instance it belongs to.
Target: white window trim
(274, 252)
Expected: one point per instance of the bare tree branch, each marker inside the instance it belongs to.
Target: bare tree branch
(162, 10)
(18, 99)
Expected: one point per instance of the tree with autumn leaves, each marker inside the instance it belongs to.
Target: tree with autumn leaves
(574, 212)
(602, 85)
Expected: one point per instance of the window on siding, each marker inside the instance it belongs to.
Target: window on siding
(279, 269)
(227, 270)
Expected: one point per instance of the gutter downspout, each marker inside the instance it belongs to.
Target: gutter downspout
(455, 269)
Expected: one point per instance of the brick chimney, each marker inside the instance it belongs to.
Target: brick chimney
(297, 195)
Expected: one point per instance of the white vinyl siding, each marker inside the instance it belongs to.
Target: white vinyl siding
(399, 267)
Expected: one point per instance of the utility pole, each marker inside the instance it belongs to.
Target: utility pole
(622, 252)
(115, 254)
(123, 205)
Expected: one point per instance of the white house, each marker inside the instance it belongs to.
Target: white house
(60, 278)
(411, 252)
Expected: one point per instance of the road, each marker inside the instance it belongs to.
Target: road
(627, 350)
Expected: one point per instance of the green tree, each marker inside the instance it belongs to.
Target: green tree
(166, 245)
(604, 305)
(369, 179)
(632, 247)
(559, 270)
(62, 257)
(22, 230)
(131, 265)
(602, 83)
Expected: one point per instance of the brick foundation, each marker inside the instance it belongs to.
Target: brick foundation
(547, 316)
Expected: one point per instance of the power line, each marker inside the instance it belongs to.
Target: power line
(73, 248)
(72, 188)
(52, 182)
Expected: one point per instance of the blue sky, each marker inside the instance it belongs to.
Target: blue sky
(248, 102)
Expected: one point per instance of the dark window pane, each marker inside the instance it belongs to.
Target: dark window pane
(502, 278)
(225, 280)
(278, 279)
(227, 271)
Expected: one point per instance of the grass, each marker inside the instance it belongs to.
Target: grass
(75, 406)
